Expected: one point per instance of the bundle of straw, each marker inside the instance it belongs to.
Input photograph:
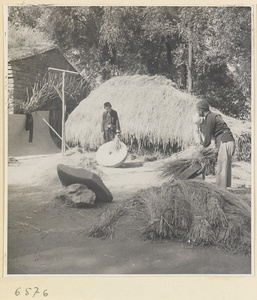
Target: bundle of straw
(192, 211)
(212, 215)
(205, 158)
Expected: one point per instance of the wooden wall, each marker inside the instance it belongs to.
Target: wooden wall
(22, 74)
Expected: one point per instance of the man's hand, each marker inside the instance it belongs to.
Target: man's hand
(199, 147)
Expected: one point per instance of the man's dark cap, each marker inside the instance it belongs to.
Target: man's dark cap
(203, 105)
(107, 104)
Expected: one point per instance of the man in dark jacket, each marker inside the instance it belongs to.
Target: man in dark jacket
(110, 123)
(214, 126)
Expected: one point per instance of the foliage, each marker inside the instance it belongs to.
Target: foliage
(243, 150)
(106, 41)
(25, 16)
(26, 37)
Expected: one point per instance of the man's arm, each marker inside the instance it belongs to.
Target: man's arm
(209, 128)
(102, 123)
(196, 133)
(117, 123)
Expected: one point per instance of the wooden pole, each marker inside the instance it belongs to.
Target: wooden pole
(66, 71)
(190, 58)
(63, 115)
(63, 103)
(190, 50)
(51, 128)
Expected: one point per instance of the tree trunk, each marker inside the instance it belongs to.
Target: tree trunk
(168, 48)
(189, 68)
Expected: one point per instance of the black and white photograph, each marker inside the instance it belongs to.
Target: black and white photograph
(128, 140)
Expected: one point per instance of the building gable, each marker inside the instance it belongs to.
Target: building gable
(25, 71)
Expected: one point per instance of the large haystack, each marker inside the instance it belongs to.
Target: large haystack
(151, 110)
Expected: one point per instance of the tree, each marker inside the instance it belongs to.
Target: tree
(204, 50)
(27, 15)
(225, 65)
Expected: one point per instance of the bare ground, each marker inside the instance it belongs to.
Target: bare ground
(45, 236)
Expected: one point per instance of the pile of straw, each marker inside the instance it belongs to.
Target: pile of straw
(152, 113)
(192, 211)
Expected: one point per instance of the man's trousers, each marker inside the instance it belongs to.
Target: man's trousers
(109, 135)
(224, 164)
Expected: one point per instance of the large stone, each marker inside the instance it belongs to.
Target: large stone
(77, 194)
(69, 175)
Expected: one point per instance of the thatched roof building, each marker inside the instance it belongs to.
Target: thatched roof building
(29, 65)
(151, 111)
(31, 86)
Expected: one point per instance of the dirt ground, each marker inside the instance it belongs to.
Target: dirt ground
(46, 236)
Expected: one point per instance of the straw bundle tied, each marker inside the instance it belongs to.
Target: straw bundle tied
(150, 109)
(205, 158)
(193, 211)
